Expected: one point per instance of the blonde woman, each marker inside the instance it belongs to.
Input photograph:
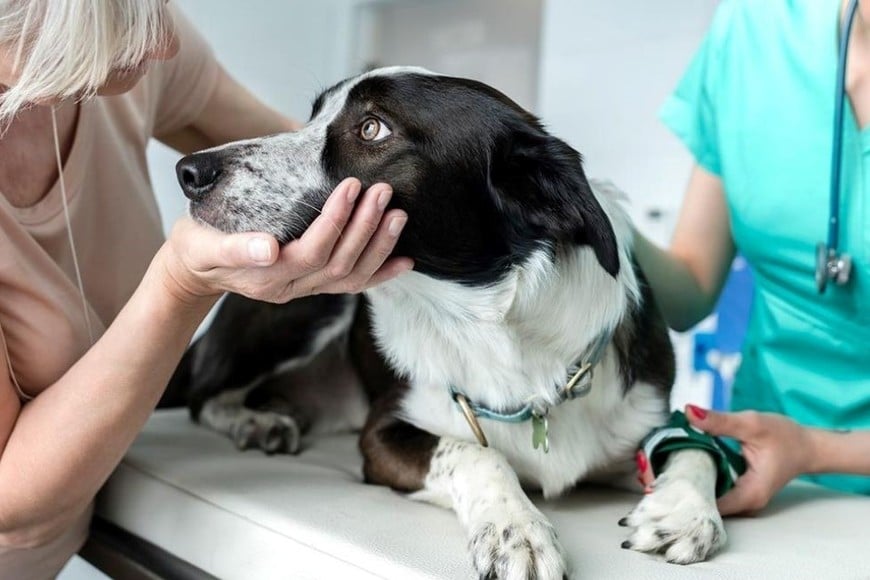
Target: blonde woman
(94, 317)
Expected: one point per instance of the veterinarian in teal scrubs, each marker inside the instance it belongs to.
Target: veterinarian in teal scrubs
(756, 108)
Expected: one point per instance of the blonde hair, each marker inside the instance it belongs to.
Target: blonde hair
(67, 48)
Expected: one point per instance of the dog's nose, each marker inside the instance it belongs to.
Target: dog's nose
(197, 174)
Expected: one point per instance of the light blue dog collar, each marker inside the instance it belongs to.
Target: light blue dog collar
(537, 408)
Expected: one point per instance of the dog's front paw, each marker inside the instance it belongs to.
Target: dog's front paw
(268, 431)
(521, 545)
(676, 520)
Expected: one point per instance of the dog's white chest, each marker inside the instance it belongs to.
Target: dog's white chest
(585, 435)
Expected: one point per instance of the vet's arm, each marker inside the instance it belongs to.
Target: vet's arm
(777, 450)
(687, 278)
(839, 452)
(231, 114)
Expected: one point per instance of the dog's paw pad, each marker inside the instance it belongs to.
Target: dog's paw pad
(678, 522)
(269, 432)
(524, 548)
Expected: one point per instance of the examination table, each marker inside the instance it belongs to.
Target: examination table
(185, 503)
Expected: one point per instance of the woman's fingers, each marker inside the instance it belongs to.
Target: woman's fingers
(358, 235)
(391, 268)
(376, 252)
(367, 264)
(312, 252)
(742, 425)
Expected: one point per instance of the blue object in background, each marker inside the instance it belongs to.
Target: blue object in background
(718, 351)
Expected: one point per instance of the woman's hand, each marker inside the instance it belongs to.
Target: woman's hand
(336, 254)
(776, 449)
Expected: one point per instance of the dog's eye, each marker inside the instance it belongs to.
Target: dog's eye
(374, 130)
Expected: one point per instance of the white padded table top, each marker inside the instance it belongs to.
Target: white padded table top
(246, 515)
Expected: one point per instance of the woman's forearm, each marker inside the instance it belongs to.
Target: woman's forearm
(681, 299)
(68, 440)
(839, 452)
(686, 279)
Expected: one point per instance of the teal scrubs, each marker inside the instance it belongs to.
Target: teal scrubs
(756, 108)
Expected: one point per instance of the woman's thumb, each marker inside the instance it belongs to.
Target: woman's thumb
(710, 421)
(260, 250)
(207, 248)
(735, 425)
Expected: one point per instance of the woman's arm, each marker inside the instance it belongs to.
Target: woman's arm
(777, 450)
(687, 278)
(839, 452)
(56, 451)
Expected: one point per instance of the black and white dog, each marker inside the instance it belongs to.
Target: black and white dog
(525, 348)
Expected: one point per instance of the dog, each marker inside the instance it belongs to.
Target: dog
(525, 349)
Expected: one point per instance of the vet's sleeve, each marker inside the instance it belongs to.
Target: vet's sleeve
(186, 82)
(690, 112)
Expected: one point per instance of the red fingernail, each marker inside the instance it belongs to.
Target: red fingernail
(697, 412)
(641, 462)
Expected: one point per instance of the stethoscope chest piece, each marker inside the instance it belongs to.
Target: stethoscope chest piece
(831, 266)
(830, 263)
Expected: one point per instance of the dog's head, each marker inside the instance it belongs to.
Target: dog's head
(482, 182)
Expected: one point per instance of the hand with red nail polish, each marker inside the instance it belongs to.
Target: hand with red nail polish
(776, 449)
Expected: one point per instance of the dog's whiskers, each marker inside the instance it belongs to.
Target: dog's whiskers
(320, 212)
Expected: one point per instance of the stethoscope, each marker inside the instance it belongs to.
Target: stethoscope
(830, 263)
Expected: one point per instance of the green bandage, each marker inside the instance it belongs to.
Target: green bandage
(679, 434)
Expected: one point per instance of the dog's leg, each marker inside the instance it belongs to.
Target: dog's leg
(507, 535)
(271, 431)
(679, 517)
(317, 395)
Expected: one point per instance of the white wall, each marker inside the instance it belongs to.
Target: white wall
(493, 41)
(606, 68)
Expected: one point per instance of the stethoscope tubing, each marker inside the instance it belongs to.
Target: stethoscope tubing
(837, 148)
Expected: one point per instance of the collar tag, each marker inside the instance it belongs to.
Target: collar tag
(540, 432)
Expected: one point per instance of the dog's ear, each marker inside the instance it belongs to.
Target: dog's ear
(538, 181)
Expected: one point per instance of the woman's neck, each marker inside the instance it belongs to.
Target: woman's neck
(861, 27)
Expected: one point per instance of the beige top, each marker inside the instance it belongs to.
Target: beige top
(116, 226)
(114, 216)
